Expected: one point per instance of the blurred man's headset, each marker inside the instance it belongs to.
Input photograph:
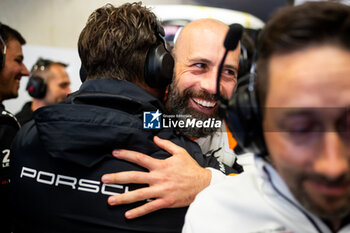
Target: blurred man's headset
(36, 85)
(241, 112)
(3, 52)
(159, 64)
(243, 67)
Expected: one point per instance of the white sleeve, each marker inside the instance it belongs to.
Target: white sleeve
(187, 228)
(193, 219)
(199, 215)
(216, 176)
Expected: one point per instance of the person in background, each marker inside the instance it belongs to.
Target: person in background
(48, 84)
(302, 182)
(11, 71)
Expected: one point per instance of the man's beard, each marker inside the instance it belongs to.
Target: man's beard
(179, 105)
(299, 191)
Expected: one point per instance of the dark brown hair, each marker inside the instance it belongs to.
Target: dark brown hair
(7, 33)
(295, 28)
(115, 41)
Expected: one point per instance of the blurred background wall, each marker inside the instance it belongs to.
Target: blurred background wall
(52, 27)
(59, 22)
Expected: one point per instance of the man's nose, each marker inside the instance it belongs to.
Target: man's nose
(68, 90)
(333, 161)
(208, 82)
(24, 70)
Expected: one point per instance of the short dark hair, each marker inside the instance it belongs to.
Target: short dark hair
(42, 64)
(295, 28)
(42, 67)
(7, 33)
(115, 42)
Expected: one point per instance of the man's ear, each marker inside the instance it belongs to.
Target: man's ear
(159, 93)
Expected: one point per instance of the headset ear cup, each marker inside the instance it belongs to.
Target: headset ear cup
(244, 67)
(243, 117)
(36, 87)
(2, 60)
(82, 73)
(159, 67)
(2, 53)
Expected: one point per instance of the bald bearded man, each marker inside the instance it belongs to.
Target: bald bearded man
(192, 92)
(174, 182)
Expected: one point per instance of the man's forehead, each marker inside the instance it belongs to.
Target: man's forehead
(201, 43)
(13, 43)
(201, 32)
(198, 30)
(58, 70)
(322, 81)
(14, 47)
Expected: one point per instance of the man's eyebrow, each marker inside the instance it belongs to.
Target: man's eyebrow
(285, 115)
(199, 60)
(290, 113)
(308, 111)
(207, 61)
(299, 111)
(228, 66)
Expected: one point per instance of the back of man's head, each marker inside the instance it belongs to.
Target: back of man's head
(115, 42)
(41, 68)
(295, 28)
(48, 83)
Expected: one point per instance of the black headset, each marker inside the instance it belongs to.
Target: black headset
(82, 73)
(3, 52)
(242, 111)
(159, 65)
(244, 119)
(247, 53)
(36, 85)
(243, 67)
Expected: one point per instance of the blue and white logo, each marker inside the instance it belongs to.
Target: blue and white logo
(151, 120)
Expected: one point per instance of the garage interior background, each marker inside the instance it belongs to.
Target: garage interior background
(52, 27)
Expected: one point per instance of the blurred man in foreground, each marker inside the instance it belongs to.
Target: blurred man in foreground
(303, 184)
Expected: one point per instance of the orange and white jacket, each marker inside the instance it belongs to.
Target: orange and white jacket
(221, 145)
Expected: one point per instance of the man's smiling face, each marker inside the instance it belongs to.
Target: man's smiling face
(309, 144)
(198, 53)
(13, 70)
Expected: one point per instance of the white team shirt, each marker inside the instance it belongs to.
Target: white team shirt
(249, 203)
